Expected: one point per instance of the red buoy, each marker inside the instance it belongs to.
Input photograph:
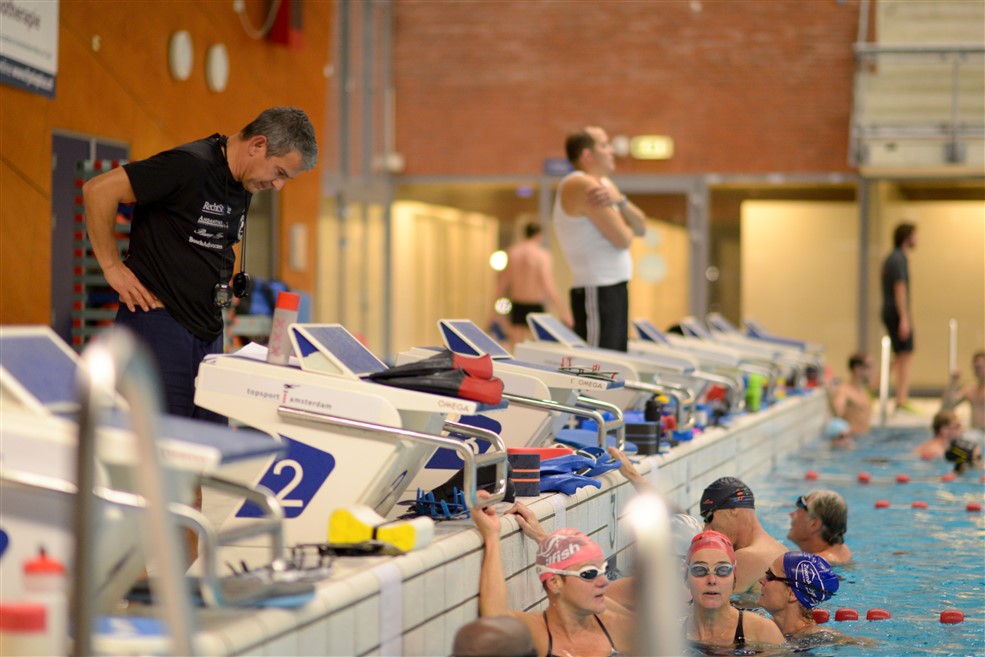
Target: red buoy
(864, 477)
(811, 475)
(902, 478)
(950, 476)
(952, 616)
(919, 504)
(882, 504)
(927, 457)
(821, 616)
(877, 614)
(974, 506)
(846, 614)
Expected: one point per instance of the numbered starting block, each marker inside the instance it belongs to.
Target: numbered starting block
(349, 441)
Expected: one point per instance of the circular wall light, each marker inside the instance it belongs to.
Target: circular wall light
(217, 67)
(180, 55)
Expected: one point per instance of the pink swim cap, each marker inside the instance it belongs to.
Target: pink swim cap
(711, 539)
(564, 548)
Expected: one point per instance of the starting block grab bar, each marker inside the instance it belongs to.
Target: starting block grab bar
(603, 427)
(210, 587)
(496, 456)
(680, 394)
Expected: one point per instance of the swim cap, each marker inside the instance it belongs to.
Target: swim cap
(564, 548)
(836, 427)
(813, 580)
(726, 493)
(683, 528)
(711, 539)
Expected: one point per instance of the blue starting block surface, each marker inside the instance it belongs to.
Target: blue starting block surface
(232, 445)
(331, 349)
(649, 333)
(38, 367)
(548, 328)
(463, 337)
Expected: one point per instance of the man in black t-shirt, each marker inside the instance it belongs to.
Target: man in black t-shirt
(191, 208)
(896, 313)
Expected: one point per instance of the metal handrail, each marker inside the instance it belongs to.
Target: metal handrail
(116, 361)
(618, 422)
(210, 587)
(674, 393)
(556, 407)
(472, 461)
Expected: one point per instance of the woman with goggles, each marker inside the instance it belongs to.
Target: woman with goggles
(792, 587)
(710, 575)
(578, 621)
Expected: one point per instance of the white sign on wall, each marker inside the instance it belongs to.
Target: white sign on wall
(29, 45)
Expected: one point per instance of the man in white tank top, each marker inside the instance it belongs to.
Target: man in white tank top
(595, 224)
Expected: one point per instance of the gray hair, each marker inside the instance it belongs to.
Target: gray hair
(287, 129)
(830, 508)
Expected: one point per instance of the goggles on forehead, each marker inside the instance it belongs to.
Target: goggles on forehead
(802, 503)
(587, 573)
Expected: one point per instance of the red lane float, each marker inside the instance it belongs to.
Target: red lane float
(902, 478)
(919, 504)
(810, 475)
(882, 504)
(864, 477)
(974, 507)
(950, 476)
(846, 614)
(821, 616)
(952, 617)
(877, 614)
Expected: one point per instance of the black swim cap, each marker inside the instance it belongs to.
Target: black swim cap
(726, 493)
(961, 451)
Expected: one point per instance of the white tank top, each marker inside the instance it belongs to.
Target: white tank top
(592, 259)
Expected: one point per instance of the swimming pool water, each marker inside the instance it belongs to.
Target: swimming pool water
(913, 563)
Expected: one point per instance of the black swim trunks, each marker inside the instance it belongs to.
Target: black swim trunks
(519, 312)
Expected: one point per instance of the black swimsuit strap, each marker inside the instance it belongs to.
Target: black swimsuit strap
(740, 636)
(550, 639)
(599, 621)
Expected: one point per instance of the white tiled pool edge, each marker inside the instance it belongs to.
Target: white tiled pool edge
(438, 590)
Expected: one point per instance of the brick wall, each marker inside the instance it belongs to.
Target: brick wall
(490, 87)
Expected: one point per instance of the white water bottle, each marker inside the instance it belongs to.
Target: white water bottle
(279, 348)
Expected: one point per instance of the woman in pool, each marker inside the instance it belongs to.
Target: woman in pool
(793, 585)
(710, 576)
(578, 620)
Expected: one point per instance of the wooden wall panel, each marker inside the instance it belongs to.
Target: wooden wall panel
(123, 91)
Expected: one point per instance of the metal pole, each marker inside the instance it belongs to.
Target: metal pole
(884, 380)
(658, 578)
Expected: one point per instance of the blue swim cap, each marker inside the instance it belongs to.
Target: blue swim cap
(813, 581)
(836, 427)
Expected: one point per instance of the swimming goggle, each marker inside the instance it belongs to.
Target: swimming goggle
(701, 570)
(708, 514)
(802, 503)
(794, 583)
(587, 573)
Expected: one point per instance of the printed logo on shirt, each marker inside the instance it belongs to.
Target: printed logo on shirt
(209, 221)
(207, 245)
(204, 233)
(215, 208)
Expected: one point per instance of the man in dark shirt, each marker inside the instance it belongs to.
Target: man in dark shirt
(896, 313)
(191, 207)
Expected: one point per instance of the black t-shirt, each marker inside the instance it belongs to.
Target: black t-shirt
(894, 270)
(189, 213)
